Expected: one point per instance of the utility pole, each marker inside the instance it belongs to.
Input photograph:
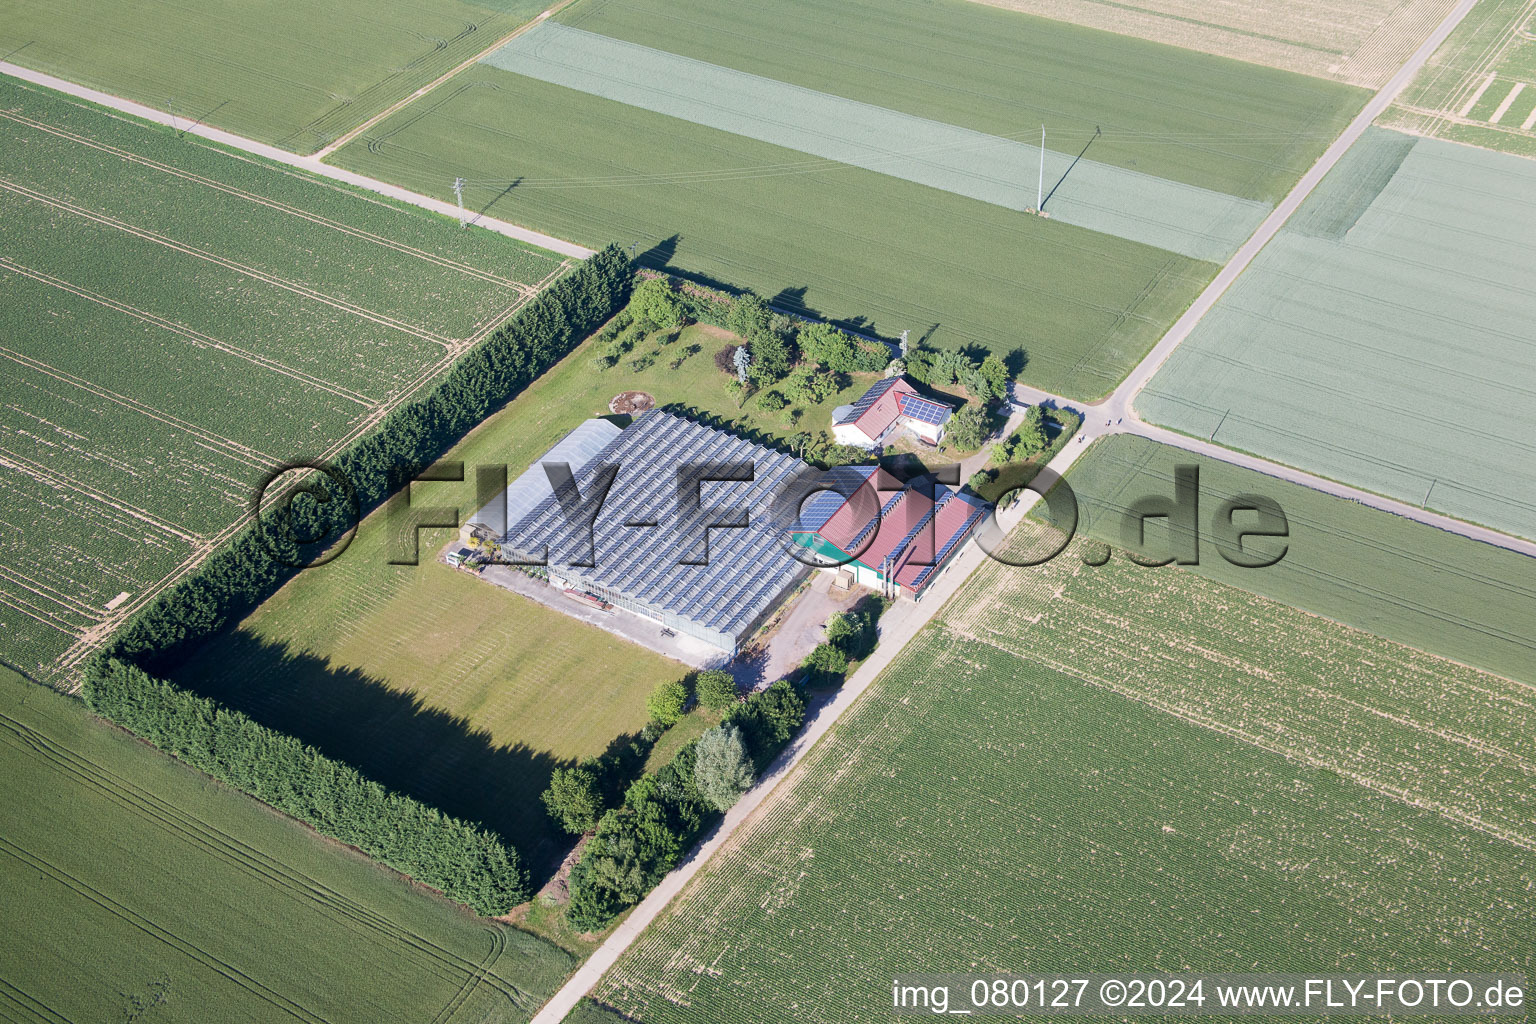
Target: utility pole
(458, 193)
(1040, 185)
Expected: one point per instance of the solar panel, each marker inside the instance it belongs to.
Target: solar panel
(823, 505)
(870, 397)
(748, 567)
(922, 410)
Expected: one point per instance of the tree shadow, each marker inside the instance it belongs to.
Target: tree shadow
(659, 256)
(793, 299)
(1016, 359)
(749, 668)
(395, 739)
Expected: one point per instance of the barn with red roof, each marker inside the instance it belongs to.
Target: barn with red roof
(893, 537)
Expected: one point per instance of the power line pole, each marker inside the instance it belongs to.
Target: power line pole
(458, 193)
(903, 344)
(1040, 186)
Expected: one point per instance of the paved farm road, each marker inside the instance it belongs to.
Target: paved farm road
(1114, 414)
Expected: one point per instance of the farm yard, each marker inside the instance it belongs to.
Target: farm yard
(294, 75)
(1480, 86)
(1408, 582)
(1076, 766)
(443, 685)
(1383, 337)
(145, 891)
(826, 236)
(1361, 43)
(179, 321)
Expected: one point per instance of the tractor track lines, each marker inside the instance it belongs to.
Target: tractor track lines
(234, 449)
(190, 828)
(129, 916)
(228, 264)
(198, 338)
(441, 261)
(21, 464)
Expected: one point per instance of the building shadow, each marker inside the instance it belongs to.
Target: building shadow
(394, 739)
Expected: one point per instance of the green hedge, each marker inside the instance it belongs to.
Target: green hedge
(460, 859)
(464, 862)
(415, 435)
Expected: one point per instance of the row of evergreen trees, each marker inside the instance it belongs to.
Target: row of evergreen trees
(410, 438)
(463, 861)
(663, 814)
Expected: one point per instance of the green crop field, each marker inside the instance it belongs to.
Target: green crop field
(859, 246)
(1115, 769)
(1383, 337)
(443, 685)
(177, 321)
(1437, 591)
(296, 75)
(137, 889)
(1480, 85)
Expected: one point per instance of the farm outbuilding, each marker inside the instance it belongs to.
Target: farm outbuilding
(893, 537)
(646, 534)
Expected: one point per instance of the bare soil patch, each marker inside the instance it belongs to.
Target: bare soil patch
(631, 402)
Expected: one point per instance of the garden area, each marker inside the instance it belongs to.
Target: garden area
(769, 376)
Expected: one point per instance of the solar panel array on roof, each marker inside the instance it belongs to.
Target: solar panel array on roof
(523, 495)
(921, 409)
(954, 519)
(823, 505)
(869, 398)
(638, 567)
(911, 527)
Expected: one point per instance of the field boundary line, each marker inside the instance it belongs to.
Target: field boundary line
(327, 150)
(286, 159)
(443, 261)
(197, 337)
(227, 263)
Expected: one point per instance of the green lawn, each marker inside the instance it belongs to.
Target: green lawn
(177, 321)
(1412, 583)
(1110, 770)
(136, 888)
(293, 74)
(440, 684)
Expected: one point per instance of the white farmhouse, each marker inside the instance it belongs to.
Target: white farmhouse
(889, 406)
